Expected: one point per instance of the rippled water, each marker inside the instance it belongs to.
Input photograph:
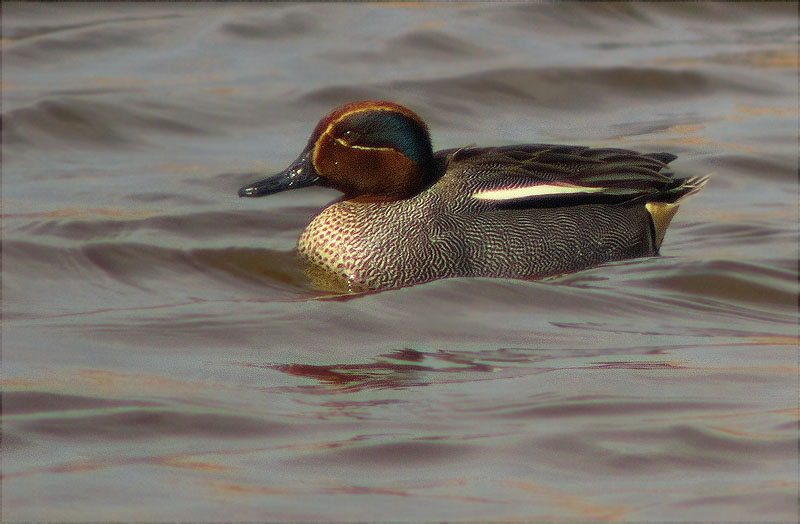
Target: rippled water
(164, 357)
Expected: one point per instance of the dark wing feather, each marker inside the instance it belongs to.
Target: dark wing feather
(608, 175)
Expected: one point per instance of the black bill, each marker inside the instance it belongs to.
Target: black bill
(300, 173)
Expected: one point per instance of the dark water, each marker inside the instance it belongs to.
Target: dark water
(164, 357)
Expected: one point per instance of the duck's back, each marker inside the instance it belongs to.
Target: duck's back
(525, 211)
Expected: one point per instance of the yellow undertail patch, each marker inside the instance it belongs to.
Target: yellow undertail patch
(661, 213)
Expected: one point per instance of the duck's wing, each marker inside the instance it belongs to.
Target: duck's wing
(544, 175)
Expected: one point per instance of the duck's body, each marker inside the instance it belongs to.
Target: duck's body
(528, 211)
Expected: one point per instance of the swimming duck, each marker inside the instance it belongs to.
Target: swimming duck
(410, 215)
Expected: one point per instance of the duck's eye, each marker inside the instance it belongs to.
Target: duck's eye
(351, 136)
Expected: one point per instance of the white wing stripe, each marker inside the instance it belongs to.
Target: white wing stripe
(539, 190)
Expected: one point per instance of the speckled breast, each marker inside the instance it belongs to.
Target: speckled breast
(375, 245)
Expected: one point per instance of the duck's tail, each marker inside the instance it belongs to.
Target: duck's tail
(662, 210)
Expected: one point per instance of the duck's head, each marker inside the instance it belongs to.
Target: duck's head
(364, 149)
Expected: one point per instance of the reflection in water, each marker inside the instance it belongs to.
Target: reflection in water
(386, 372)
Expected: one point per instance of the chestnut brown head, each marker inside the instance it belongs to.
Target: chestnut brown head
(364, 149)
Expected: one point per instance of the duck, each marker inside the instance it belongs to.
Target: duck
(410, 216)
